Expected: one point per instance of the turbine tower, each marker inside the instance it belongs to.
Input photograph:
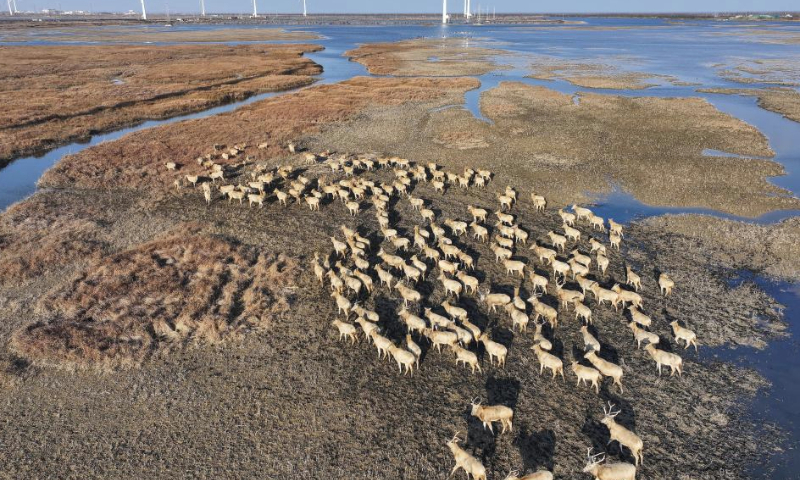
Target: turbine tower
(305, 12)
(10, 11)
(255, 9)
(469, 8)
(144, 12)
(202, 8)
(15, 6)
(444, 12)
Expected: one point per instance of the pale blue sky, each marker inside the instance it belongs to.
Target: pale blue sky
(405, 6)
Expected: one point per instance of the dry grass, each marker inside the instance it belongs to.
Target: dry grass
(447, 57)
(186, 287)
(651, 147)
(592, 73)
(137, 160)
(53, 95)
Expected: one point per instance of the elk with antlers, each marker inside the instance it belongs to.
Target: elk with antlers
(492, 413)
(608, 471)
(618, 433)
(464, 460)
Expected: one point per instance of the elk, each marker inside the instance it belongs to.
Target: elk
(471, 465)
(171, 165)
(207, 194)
(540, 475)
(470, 283)
(538, 281)
(566, 296)
(518, 317)
(581, 213)
(450, 285)
(602, 263)
(411, 273)
(469, 358)
(500, 253)
(458, 228)
(517, 301)
(478, 214)
(337, 285)
(365, 279)
(506, 202)
(427, 214)
(456, 313)
(539, 338)
(581, 258)
(539, 202)
(339, 247)
(437, 320)
(494, 349)
(543, 253)
(548, 360)
(514, 266)
(603, 295)
(615, 240)
(589, 340)
(193, 179)
(494, 300)
(439, 338)
(504, 218)
(367, 327)
(597, 246)
(392, 260)
(582, 312)
(492, 413)
(313, 203)
(253, 198)
(404, 359)
(413, 322)
(632, 279)
(605, 367)
(382, 344)
(480, 233)
(346, 330)
(577, 268)
(608, 471)
(572, 234)
(342, 303)
(413, 348)
(683, 333)
(597, 223)
(416, 203)
(666, 284)
(448, 267)
(615, 227)
(408, 294)
(566, 217)
(236, 195)
(674, 362)
(558, 241)
(385, 277)
(419, 265)
(639, 317)
(620, 434)
(642, 335)
(587, 375)
(543, 310)
(626, 296)
(585, 283)
(520, 235)
(559, 268)
(466, 261)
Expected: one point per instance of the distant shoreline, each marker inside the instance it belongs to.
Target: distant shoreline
(375, 19)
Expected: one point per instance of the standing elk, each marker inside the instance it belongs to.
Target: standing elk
(642, 335)
(674, 362)
(587, 375)
(494, 300)
(492, 413)
(607, 368)
(666, 284)
(620, 434)
(548, 360)
(683, 333)
(494, 349)
(471, 465)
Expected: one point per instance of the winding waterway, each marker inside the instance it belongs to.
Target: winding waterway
(688, 52)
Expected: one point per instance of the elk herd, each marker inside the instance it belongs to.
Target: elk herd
(564, 273)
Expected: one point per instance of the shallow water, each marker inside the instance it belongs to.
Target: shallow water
(687, 52)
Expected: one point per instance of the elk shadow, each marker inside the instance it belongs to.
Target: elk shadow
(502, 391)
(537, 448)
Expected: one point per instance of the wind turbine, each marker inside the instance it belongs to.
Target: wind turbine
(255, 9)
(444, 12)
(144, 12)
(202, 8)
(305, 12)
(10, 11)
(14, 2)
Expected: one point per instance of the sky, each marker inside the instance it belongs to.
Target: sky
(415, 6)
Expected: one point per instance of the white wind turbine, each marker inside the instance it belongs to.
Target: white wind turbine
(144, 12)
(10, 11)
(444, 11)
(255, 9)
(202, 8)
